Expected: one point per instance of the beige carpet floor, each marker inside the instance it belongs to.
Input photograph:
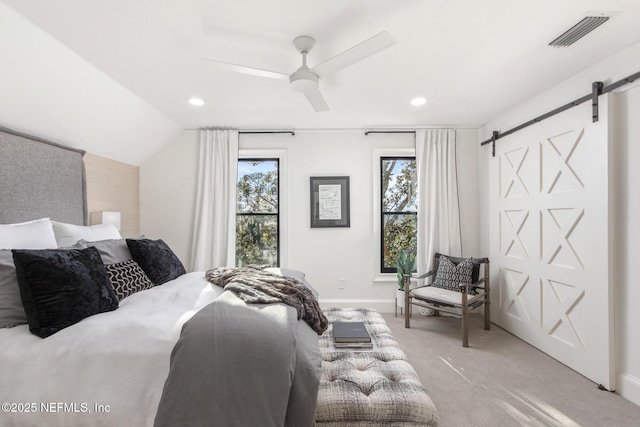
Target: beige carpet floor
(500, 380)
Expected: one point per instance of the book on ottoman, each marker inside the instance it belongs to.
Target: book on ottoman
(350, 332)
(353, 345)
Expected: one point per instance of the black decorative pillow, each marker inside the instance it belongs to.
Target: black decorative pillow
(127, 278)
(449, 276)
(60, 287)
(156, 259)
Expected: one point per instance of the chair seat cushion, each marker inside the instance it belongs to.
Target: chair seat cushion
(438, 294)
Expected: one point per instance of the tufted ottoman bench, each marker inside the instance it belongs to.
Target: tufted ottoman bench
(370, 388)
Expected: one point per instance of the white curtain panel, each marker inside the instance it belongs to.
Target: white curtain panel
(438, 210)
(215, 215)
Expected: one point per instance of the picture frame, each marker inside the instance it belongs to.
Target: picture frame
(330, 201)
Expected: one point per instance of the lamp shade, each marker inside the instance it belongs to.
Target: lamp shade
(106, 217)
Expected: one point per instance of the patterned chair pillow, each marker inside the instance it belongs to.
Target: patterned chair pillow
(449, 276)
(127, 278)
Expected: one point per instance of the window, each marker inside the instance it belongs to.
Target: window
(258, 212)
(399, 209)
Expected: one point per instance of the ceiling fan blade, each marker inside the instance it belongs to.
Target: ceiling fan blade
(317, 101)
(246, 70)
(357, 53)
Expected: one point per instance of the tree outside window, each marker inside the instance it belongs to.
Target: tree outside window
(399, 197)
(257, 212)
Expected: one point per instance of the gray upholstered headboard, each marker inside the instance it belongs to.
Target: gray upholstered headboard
(40, 179)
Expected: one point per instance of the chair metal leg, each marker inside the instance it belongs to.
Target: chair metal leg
(487, 302)
(487, 316)
(465, 331)
(407, 301)
(407, 316)
(465, 320)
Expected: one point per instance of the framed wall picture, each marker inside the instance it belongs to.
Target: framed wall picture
(330, 201)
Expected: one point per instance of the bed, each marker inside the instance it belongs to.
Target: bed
(140, 341)
(152, 345)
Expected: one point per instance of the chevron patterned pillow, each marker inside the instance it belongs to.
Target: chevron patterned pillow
(449, 276)
(127, 278)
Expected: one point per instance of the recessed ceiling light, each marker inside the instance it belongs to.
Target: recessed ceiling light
(418, 101)
(196, 101)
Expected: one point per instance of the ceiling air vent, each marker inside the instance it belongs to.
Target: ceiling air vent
(578, 31)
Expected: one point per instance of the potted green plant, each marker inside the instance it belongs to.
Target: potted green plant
(404, 266)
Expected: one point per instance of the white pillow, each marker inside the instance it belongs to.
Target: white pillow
(68, 234)
(36, 234)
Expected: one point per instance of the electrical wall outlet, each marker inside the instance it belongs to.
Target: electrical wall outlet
(341, 282)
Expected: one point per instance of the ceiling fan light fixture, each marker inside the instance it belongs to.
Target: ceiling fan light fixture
(304, 81)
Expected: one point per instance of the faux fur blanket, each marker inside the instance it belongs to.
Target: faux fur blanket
(254, 285)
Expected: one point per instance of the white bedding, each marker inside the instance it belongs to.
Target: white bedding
(107, 370)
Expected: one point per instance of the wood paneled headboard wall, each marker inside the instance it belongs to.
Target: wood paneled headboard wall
(40, 179)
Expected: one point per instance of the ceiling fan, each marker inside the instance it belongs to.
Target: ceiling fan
(305, 79)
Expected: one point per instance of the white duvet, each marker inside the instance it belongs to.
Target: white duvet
(107, 370)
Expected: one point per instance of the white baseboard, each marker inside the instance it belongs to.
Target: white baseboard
(629, 388)
(382, 305)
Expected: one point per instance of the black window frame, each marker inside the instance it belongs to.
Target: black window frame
(384, 269)
(277, 213)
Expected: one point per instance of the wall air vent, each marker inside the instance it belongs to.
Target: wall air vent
(578, 31)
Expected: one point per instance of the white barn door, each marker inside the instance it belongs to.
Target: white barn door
(550, 239)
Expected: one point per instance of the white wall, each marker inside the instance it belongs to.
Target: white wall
(627, 198)
(50, 92)
(627, 154)
(167, 194)
(167, 189)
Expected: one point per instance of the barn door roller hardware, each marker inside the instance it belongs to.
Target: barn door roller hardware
(597, 89)
(494, 136)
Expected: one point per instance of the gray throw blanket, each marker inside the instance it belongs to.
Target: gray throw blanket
(254, 285)
(240, 365)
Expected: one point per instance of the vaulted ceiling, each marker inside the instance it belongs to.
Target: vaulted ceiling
(113, 77)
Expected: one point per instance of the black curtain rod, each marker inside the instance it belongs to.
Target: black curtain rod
(245, 132)
(574, 103)
(389, 131)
